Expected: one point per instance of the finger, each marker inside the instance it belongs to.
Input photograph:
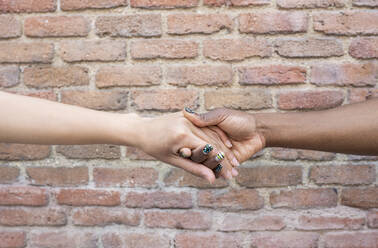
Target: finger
(211, 118)
(201, 153)
(185, 152)
(194, 168)
(222, 135)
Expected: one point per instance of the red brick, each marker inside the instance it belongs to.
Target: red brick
(245, 222)
(104, 217)
(271, 75)
(361, 95)
(351, 240)
(245, 99)
(295, 154)
(9, 76)
(364, 48)
(60, 176)
(304, 198)
(306, 222)
(309, 48)
(98, 50)
(27, 6)
(372, 219)
(126, 76)
(345, 74)
(367, 3)
(181, 178)
(137, 154)
(88, 197)
(32, 217)
(91, 4)
(270, 176)
(202, 75)
(346, 23)
(163, 4)
(12, 239)
(9, 174)
(208, 240)
(290, 239)
(178, 220)
(305, 100)
(57, 239)
(10, 27)
(126, 177)
(236, 3)
(159, 199)
(23, 196)
(236, 49)
(360, 197)
(90, 151)
(111, 240)
(35, 52)
(13, 152)
(198, 23)
(104, 100)
(146, 240)
(164, 49)
(273, 22)
(47, 95)
(44, 77)
(231, 199)
(309, 4)
(56, 26)
(343, 174)
(129, 26)
(164, 99)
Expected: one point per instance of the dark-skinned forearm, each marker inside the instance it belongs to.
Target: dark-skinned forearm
(348, 129)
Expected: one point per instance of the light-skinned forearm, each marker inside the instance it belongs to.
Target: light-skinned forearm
(348, 129)
(31, 120)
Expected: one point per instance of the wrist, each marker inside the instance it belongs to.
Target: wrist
(129, 130)
(265, 128)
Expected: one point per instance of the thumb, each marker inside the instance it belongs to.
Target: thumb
(211, 118)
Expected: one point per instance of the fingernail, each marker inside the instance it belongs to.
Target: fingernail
(228, 144)
(235, 162)
(218, 168)
(235, 172)
(189, 110)
(219, 157)
(207, 149)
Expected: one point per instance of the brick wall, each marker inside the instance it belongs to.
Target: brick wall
(154, 56)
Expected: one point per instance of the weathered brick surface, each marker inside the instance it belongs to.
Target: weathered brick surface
(271, 75)
(18, 52)
(129, 26)
(236, 50)
(347, 23)
(10, 27)
(159, 199)
(360, 197)
(304, 198)
(343, 174)
(61, 26)
(62, 176)
(364, 48)
(155, 57)
(32, 217)
(9, 76)
(238, 99)
(273, 22)
(198, 23)
(27, 6)
(45, 77)
(270, 176)
(128, 177)
(232, 199)
(126, 76)
(91, 4)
